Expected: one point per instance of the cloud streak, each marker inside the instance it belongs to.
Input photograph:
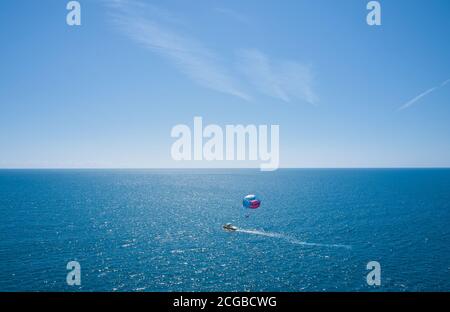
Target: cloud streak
(153, 28)
(284, 80)
(423, 94)
(187, 54)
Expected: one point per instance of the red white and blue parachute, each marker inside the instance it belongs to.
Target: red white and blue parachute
(251, 201)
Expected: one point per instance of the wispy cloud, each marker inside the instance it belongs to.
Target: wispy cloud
(154, 28)
(188, 54)
(423, 94)
(285, 80)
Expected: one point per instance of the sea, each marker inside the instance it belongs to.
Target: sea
(162, 230)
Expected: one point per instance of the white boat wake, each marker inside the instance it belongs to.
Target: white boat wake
(291, 239)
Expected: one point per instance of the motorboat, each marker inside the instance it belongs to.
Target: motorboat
(229, 227)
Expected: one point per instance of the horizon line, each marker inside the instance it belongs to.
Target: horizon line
(217, 168)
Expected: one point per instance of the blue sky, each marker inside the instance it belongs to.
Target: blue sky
(107, 93)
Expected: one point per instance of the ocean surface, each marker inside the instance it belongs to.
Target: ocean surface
(161, 230)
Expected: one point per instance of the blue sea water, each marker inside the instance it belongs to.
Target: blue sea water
(161, 230)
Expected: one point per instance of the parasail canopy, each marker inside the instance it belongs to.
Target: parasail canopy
(251, 201)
